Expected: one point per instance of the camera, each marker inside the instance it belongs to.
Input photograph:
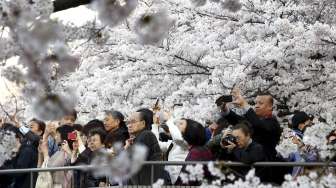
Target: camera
(229, 138)
(224, 99)
(164, 135)
(72, 136)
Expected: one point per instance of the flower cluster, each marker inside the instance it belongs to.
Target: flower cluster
(112, 12)
(120, 164)
(7, 143)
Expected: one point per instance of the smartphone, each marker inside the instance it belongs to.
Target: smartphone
(156, 105)
(72, 136)
(224, 99)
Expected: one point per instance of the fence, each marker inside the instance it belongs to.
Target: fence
(31, 171)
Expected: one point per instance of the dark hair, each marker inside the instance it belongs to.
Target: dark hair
(64, 130)
(78, 127)
(332, 133)
(117, 115)
(222, 124)
(91, 125)
(146, 115)
(101, 132)
(244, 126)
(40, 123)
(194, 133)
(298, 118)
(72, 113)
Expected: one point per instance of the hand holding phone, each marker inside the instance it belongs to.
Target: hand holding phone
(224, 99)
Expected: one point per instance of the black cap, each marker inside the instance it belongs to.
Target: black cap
(298, 118)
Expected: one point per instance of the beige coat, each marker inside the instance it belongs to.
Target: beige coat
(61, 179)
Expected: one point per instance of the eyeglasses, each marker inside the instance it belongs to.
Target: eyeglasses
(132, 122)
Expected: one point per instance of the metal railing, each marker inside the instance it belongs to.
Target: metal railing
(31, 171)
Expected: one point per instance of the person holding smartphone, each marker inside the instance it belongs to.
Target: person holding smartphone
(62, 157)
(300, 122)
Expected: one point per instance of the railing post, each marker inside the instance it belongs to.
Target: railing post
(152, 174)
(31, 180)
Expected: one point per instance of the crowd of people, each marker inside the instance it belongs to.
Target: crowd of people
(248, 138)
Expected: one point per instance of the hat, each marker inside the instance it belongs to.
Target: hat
(298, 118)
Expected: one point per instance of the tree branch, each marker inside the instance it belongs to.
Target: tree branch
(60, 5)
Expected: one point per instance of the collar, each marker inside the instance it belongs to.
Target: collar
(268, 116)
(249, 143)
(114, 130)
(298, 132)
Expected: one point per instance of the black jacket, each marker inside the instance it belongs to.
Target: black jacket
(266, 131)
(143, 177)
(119, 135)
(253, 153)
(26, 158)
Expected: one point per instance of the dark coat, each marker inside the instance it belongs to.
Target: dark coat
(26, 158)
(197, 153)
(253, 153)
(119, 135)
(143, 177)
(81, 179)
(6, 180)
(266, 131)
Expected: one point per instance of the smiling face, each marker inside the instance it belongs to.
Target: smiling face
(96, 142)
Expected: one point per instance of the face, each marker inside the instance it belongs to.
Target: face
(182, 125)
(110, 123)
(263, 106)
(35, 128)
(58, 138)
(84, 138)
(242, 139)
(213, 126)
(332, 138)
(95, 142)
(135, 124)
(305, 125)
(67, 120)
(75, 145)
(89, 143)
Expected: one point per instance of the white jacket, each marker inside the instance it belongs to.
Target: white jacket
(179, 150)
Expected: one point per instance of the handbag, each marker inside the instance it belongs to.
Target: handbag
(44, 179)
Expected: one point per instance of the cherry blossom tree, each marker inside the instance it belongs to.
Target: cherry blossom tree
(180, 51)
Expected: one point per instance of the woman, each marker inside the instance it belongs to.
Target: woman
(194, 134)
(115, 126)
(175, 149)
(61, 158)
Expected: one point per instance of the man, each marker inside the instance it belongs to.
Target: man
(265, 126)
(244, 149)
(33, 132)
(26, 157)
(139, 126)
